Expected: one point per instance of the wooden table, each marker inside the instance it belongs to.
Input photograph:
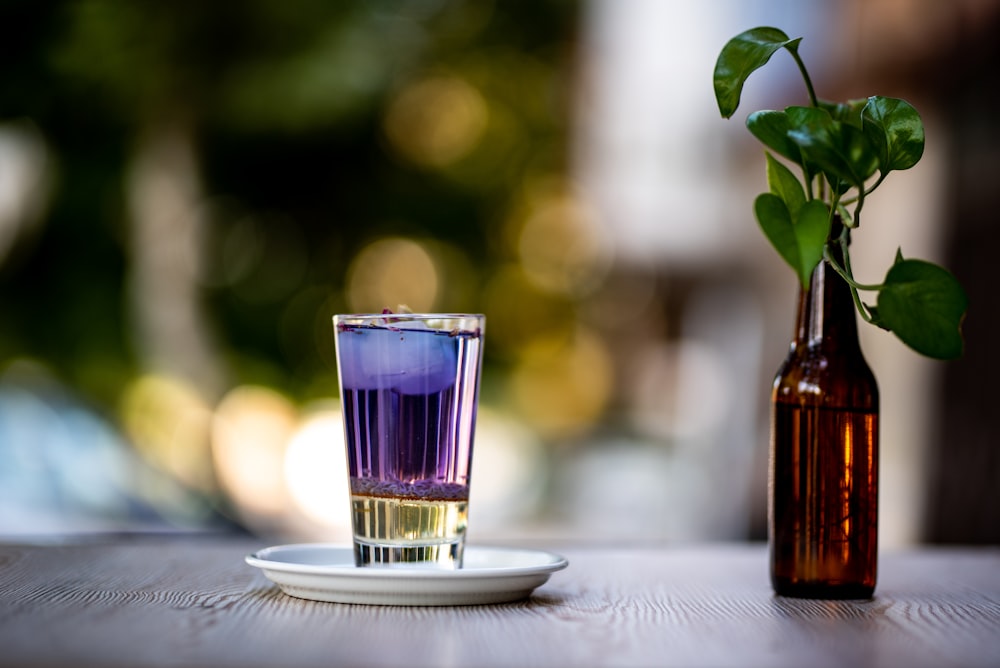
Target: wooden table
(127, 601)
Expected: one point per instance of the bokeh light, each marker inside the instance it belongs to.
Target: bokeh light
(316, 472)
(24, 182)
(520, 312)
(169, 423)
(510, 475)
(436, 121)
(250, 435)
(560, 244)
(392, 272)
(561, 385)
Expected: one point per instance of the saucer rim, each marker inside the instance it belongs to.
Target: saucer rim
(346, 583)
(547, 562)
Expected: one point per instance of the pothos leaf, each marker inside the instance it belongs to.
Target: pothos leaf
(895, 131)
(783, 183)
(846, 112)
(771, 128)
(776, 223)
(874, 317)
(838, 149)
(812, 229)
(798, 240)
(741, 57)
(924, 305)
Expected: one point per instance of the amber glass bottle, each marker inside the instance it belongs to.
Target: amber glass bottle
(823, 505)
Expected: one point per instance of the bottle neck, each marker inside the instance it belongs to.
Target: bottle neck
(826, 315)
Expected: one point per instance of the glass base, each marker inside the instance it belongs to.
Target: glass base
(439, 556)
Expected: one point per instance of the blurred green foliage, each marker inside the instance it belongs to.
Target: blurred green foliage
(286, 104)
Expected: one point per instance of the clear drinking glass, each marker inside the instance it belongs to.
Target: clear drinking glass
(409, 384)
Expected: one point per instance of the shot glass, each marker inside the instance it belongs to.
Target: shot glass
(409, 384)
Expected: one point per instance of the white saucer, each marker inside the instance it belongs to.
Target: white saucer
(323, 572)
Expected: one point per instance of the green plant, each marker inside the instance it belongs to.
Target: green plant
(845, 151)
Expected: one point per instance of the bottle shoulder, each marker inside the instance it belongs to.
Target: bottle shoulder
(814, 375)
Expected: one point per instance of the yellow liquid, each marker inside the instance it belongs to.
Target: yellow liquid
(408, 530)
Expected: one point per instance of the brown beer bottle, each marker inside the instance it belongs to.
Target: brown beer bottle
(823, 478)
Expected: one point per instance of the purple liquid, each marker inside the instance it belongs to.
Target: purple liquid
(409, 400)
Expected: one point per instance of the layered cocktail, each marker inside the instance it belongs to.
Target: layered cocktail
(409, 387)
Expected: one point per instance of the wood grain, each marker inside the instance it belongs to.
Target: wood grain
(193, 602)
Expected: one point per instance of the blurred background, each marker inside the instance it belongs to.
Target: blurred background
(189, 191)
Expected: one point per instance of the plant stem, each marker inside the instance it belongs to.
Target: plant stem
(881, 178)
(805, 75)
(845, 273)
(867, 192)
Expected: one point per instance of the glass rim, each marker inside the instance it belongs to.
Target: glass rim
(409, 316)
